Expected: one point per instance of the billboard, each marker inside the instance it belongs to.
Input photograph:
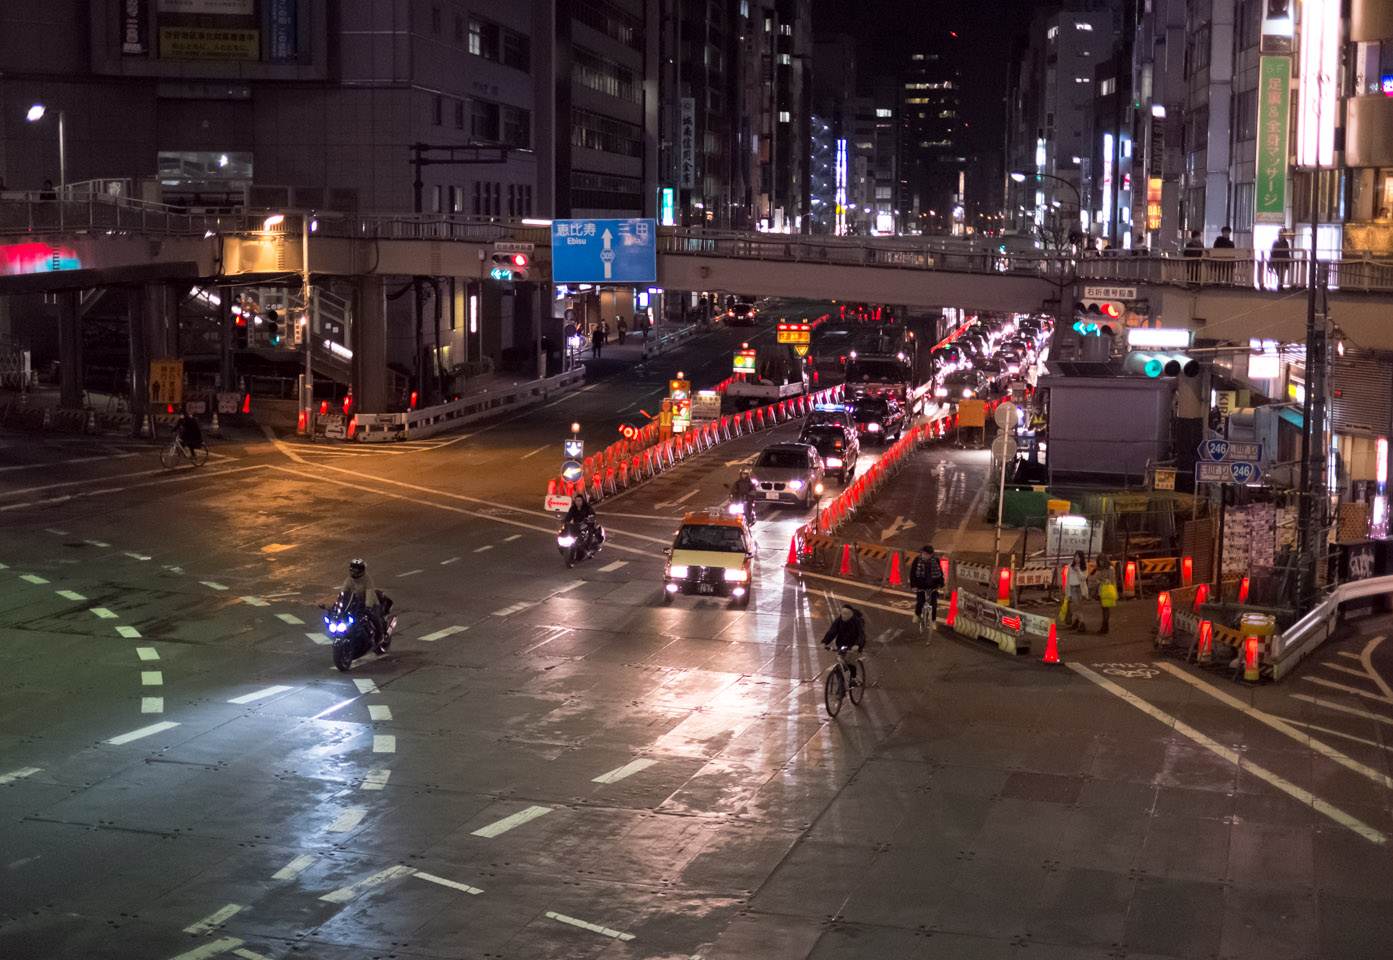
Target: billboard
(1274, 107)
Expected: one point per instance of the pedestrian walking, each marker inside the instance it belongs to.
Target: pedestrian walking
(622, 327)
(1107, 588)
(1075, 592)
(643, 324)
(596, 342)
(1280, 258)
(604, 333)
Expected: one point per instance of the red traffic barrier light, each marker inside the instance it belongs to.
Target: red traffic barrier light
(628, 432)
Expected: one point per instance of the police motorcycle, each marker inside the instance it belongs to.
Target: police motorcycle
(579, 540)
(352, 631)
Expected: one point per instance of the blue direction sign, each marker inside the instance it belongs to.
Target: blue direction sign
(573, 449)
(1219, 451)
(604, 251)
(571, 471)
(1228, 471)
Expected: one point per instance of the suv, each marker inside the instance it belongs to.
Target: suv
(830, 413)
(879, 418)
(788, 473)
(712, 554)
(742, 312)
(839, 446)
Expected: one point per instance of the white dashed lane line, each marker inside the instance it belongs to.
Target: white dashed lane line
(487, 546)
(104, 613)
(365, 686)
(592, 927)
(289, 618)
(508, 823)
(214, 920)
(152, 704)
(409, 573)
(349, 819)
(384, 743)
(453, 884)
(442, 634)
(130, 633)
(378, 711)
(628, 770)
(151, 678)
(451, 560)
(614, 566)
(147, 653)
(212, 585)
(142, 732)
(320, 638)
(70, 595)
(32, 578)
(254, 601)
(345, 894)
(376, 779)
(19, 774)
(260, 694)
(294, 867)
(512, 538)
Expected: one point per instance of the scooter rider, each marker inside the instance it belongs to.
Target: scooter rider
(364, 593)
(743, 491)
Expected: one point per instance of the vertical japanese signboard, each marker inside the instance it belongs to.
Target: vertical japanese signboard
(1274, 125)
(686, 137)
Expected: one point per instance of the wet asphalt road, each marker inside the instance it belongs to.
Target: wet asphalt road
(549, 763)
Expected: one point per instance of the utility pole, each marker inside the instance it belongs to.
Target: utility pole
(1313, 499)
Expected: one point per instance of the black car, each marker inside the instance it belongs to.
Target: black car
(879, 418)
(742, 313)
(839, 446)
(962, 384)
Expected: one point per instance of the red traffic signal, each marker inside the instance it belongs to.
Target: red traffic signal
(520, 261)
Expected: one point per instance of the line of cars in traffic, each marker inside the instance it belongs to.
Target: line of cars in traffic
(981, 360)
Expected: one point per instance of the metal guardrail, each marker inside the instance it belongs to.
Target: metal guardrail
(35, 212)
(1295, 643)
(416, 424)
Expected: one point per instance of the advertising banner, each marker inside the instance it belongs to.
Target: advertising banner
(1274, 106)
(135, 28)
(686, 139)
(224, 8)
(195, 43)
(284, 43)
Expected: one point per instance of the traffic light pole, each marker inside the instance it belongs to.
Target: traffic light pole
(306, 338)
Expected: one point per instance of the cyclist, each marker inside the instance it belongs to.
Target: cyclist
(743, 491)
(188, 432)
(364, 593)
(926, 577)
(848, 634)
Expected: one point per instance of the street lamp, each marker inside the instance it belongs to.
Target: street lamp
(1019, 176)
(36, 112)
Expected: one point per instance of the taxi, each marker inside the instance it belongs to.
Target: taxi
(712, 555)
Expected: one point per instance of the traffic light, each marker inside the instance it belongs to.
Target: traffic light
(1098, 316)
(273, 328)
(510, 266)
(1151, 364)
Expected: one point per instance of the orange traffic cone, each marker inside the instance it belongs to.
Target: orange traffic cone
(895, 579)
(846, 559)
(1051, 647)
(792, 552)
(952, 608)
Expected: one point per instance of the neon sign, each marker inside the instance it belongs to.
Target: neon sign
(18, 259)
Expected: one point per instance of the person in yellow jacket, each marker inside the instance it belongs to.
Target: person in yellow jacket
(1107, 588)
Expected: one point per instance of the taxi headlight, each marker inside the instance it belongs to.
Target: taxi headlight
(740, 575)
(677, 571)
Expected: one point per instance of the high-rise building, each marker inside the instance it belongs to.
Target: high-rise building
(932, 153)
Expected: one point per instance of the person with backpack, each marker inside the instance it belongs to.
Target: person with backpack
(847, 635)
(926, 577)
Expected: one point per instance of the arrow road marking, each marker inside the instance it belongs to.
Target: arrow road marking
(678, 502)
(899, 525)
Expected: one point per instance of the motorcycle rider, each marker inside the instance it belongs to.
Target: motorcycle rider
(743, 491)
(583, 514)
(364, 593)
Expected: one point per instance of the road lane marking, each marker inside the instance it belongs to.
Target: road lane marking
(508, 823)
(345, 894)
(151, 678)
(1232, 756)
(1346, 688)
(679, 501)
(442, 634)
(1341, 733)
(56, 533)
(379, 711)
(19, 774)
(376, 779)
(212, 585)
(289, 618)
(384, 743)
(534, 452)
(210, 949)
(32, 578)
(512, 538)
(254, 601)
(294, 867)
(147, 653)
(152, 704)
(1341, 708)
(409, 573)
(1367, 659)
(628, 770)
(136, 556)
(451, 560)
(104, 613)
(261, 694)
(130, 633)
(334, 709)
(214, 920)
(454, 884)
(143, 732)
(1281, 726)
(610, 568)
(349, 819)
(173, 569)
(509, 611)
(592, 927)
(69, 595)
(1362, 674)
(97, 543)
(365, 686)
(319, 637)
(487, 546)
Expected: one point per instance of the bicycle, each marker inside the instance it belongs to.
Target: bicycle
(174, 452)
(925, 621)
(841, 684)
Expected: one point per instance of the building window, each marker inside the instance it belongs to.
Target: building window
(435, 199)
(517, 127)
(784, 116)
(517, 51)
(613, 22)
(483, 38)
(457, 199)
(595, 132)
(484, 124)
(478, 199)
(601, 191)
(459, 28)
(606, 76)
(459, 114)
(1242, 206)
(435, 20)
(1245, 114)
(436, 104)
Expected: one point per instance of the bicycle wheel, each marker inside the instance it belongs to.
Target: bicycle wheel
(857, 689)
(169, 456)
(199, 456)
(834, 691)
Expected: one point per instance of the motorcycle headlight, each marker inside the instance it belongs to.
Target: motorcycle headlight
(834, 461)
(565, 541)
(795, 484)
(873, 428)
(677, 571)
(739, 576)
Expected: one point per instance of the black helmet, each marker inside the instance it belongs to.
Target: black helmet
(356, 568)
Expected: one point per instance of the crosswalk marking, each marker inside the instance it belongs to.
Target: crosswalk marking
(151, 678)
(442, 634)
(384, 743)
(379, 711)
(348, 820)
(376, 779)
(508, 823)
(147, 653)
(152, 704)
(320, 638)
(365, 686)
(345, 894)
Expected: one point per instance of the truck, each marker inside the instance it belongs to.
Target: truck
(884, 363)
(767, 374)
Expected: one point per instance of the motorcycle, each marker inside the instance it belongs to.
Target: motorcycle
(579, 541)
(352, 631)
(742, 507)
